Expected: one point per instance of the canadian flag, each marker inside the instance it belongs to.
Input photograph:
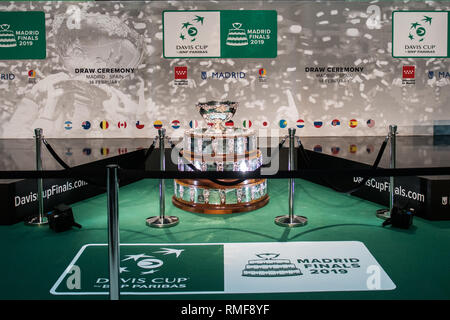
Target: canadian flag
(122, 124)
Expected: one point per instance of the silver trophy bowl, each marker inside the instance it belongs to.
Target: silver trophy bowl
(217, 113)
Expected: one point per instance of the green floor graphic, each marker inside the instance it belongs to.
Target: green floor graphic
(417, 260)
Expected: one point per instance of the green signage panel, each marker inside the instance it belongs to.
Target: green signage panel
(220, 34)
(420, 34)
(22, 35)
(248, 34)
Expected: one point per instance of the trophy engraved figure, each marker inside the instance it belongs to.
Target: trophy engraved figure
(220, 148)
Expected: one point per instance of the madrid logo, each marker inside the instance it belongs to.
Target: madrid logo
(418, 30)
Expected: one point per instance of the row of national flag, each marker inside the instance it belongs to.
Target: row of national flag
(176, 124)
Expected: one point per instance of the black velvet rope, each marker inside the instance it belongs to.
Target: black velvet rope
(325, 181)
(86, 173)
(88, 178)
(149, 151)
(55, 155)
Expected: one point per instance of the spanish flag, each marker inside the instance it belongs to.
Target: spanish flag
(353, 123)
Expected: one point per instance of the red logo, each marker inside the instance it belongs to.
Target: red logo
(409, 72)
(180, 73)
(122, 124)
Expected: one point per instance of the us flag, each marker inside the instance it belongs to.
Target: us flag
(370, 123)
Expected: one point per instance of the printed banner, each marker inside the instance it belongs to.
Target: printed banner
(266, 267)
(420, 34)
(220, 34)
(22, 35)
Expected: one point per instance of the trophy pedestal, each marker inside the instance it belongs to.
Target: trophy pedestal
(205, 196)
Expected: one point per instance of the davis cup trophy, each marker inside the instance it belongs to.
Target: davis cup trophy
(219, 148)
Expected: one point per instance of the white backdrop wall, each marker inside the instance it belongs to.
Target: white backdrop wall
(310, 34)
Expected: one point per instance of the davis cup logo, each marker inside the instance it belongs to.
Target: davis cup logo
(420, 34)
(418, 30)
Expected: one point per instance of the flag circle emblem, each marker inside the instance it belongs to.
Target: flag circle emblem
(229, 123)
(158, 124)
(247, 124)
(139, 125)
(175, 124)
(318, 124)
(300, 123)
(86, 125)
(193, 124)
(32, 74)
(68, 125)
(370, 123)
(353, 123)
(122, 124)
(265, 124)
(353, 148)
(335, 150)
(283, 123)
(335, 123)
(262, 72)
(104, 125)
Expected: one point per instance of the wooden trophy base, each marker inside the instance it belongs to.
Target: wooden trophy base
(208, 208)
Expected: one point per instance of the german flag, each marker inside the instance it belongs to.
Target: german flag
(229, 123)
(104, 124)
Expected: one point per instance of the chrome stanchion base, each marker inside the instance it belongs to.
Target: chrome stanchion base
(285, 221)
(158, 222)
(36, 221)
(383, 214)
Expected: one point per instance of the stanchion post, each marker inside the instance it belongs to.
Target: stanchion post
(40, 219)
(162, 221)
(291, 220)
(386, 213)
(113, 231)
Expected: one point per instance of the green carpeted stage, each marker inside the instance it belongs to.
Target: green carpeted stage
(417, 260)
